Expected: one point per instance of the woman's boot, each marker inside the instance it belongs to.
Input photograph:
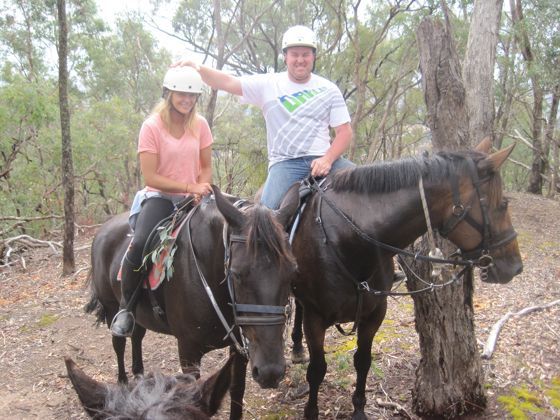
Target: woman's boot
(123, 322)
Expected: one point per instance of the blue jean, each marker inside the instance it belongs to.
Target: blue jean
(282, 175)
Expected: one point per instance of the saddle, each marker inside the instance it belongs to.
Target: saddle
(158, 253)
(305, 191)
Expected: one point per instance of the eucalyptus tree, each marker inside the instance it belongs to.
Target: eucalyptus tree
(536, 29)
(67, 163)
(120, 83)
(383, 74)
(114, 80)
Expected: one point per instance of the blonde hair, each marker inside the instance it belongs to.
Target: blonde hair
(163, 108)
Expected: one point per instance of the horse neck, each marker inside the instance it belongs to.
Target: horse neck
(206, 237)
(398, 218)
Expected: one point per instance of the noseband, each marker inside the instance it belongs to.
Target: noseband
(268, 314)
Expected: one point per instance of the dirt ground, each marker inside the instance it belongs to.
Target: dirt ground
(42, 320)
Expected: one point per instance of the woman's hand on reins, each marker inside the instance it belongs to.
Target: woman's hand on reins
(199, 190)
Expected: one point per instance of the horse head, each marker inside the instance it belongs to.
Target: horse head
(479, 221)
(259, 269)
(179, 397)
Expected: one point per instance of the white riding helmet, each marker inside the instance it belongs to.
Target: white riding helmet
(183, 79)
(299, 36)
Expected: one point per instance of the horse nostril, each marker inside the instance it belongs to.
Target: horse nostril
(255, 372)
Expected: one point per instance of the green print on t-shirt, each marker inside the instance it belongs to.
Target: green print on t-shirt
(293, 102)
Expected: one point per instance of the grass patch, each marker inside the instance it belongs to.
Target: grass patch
(280, 415)
(46, 320)
(553, 393)
(521, 403)
(298, 374)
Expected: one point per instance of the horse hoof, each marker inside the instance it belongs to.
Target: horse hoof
(311, 414)
(359, 416)
(299, 357)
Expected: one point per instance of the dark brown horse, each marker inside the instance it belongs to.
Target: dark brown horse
(204, 307)
(349, 233)
(158, 397)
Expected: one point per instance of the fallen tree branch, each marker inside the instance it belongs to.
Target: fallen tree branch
(8, 246)
(31, 218)
(31, 242)
(495, 331)
(394, 406)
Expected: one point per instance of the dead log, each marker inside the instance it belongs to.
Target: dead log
(495, 331)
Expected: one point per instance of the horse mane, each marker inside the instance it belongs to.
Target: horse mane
(155, 396)
(263, 229)
(390, 176)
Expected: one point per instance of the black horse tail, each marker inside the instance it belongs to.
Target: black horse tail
(94, 305)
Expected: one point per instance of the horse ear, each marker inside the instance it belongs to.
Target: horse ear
(288, 206)
(496, 159)
(214, 387)
(484, 146)
(232, 215)
(91, 393)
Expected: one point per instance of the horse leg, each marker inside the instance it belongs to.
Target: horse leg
(315, 337)
(137, 363)
(298, 352)
(237, 388)
(119, 345)
(189, 357)
(362, 358)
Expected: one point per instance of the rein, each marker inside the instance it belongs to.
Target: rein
(242, 349)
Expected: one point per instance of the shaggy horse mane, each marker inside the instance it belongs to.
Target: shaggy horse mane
(390, 176)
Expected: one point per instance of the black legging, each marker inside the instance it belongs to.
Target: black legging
(153, 210)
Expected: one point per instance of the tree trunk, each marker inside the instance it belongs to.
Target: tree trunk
(68, 263)
(552, 144)
(478, 68)
(538, 167)
(507, 84)
(449, 377)
(443, 89)
(539, 164)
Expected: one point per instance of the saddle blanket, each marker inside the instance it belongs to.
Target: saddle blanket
(156, 270)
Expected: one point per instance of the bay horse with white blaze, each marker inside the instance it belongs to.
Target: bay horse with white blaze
(350, 230)
(205, 308)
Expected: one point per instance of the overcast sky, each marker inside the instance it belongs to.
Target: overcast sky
(109, 10)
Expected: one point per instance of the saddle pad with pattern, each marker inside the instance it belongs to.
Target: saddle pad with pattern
(156, 270)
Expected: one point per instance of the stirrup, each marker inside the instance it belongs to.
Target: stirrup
(130, 320)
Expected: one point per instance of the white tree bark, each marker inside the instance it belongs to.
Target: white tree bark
(478, 68)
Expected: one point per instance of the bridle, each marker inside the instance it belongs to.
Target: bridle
(243, 313)
(478, 257)
(267, 314)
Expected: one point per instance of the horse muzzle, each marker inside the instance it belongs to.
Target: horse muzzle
(269, 375)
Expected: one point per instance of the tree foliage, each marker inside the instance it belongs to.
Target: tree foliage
(115, 70)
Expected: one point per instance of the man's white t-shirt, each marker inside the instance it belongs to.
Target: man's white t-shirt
(297, 115)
